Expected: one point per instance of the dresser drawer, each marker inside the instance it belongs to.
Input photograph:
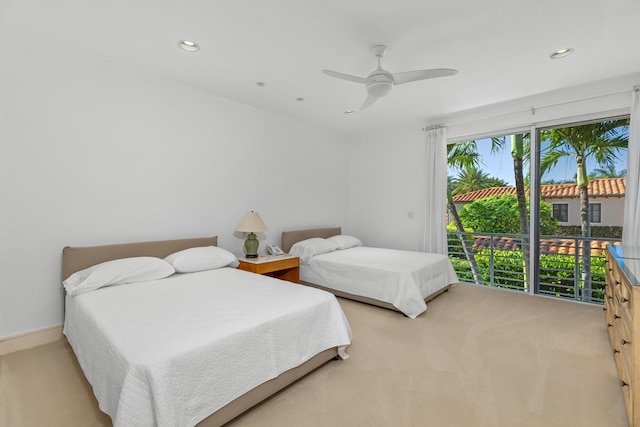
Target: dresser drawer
(627, 392)
(609, 311)
(617, 280)
(614, 337)
(625, 294)
(623, 335)
(610, 278)
(609, 288)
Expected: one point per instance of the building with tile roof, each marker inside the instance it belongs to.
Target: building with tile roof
(606, 200)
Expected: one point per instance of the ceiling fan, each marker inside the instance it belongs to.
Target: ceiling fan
(380, 82)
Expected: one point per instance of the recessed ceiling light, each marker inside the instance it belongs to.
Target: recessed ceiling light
(299, 99)
(261, 84)
(561, 53)
(350, 112)
(188, 45)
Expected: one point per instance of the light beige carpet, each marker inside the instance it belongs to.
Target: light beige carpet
(477, 357)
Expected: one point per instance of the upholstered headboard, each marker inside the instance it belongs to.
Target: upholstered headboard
(289, 238)
(80, 257)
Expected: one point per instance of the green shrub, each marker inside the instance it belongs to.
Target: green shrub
(499, 214)
(557, 272)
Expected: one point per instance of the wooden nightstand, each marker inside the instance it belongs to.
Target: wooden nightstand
(285, 267)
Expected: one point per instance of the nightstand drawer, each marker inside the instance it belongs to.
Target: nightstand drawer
(283, 267)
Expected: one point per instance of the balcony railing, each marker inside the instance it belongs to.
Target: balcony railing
(492, 259)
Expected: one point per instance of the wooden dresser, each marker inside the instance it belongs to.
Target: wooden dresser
(622, 313)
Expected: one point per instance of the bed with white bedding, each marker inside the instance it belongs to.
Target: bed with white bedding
(400, 280)
(195, 346)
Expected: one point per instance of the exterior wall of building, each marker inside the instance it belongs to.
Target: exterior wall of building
(611, 209)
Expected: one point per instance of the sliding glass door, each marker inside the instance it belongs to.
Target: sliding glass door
(534, 210)
(582, 171)
(488, 210)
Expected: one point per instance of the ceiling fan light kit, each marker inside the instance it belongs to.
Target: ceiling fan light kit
(380, 81)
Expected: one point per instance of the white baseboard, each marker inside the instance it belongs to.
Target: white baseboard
(30, 339)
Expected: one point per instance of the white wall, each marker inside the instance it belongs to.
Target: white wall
(387, 183)
(92, 153)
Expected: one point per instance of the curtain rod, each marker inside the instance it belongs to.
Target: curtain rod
(434, 127)
(532, 110)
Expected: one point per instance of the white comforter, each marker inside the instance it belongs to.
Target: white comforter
(401, 278)
(171, 352)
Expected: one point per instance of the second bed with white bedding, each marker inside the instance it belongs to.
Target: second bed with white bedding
(401, 278)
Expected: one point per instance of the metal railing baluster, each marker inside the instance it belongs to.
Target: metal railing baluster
(560, 272)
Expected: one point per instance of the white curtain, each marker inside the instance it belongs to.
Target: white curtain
(434, 236)
(631, 223)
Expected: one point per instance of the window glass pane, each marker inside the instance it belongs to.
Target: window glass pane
(488, 210)
(561, 212)
(594, 212)
(582, 166)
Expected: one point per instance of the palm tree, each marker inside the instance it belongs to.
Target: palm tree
(471, 178)
(520, 149)
(601, 141)
(607, 171)
(463, 155)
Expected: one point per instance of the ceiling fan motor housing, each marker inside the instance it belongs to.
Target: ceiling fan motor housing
(379, 83)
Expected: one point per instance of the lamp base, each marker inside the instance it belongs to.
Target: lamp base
(251, 246)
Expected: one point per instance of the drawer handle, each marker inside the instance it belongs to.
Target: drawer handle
(623, 341)
(609, 325)
(624, 384)
(617, 283)
(604, 308)
(615, 316)
(616, 351)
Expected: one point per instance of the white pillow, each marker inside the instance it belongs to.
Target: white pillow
(306, 249)
(344, 241)
(202, 258)
(117, 272)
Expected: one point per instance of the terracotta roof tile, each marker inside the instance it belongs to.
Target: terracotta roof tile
(547, 246)
(602, 187)
(484, 193)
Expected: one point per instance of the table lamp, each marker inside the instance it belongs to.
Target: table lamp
(251, 223)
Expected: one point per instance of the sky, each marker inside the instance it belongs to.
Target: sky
(500, 165)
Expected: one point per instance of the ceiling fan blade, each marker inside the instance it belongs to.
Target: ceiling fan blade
(412, 76)
(368, 102)
(345, 76)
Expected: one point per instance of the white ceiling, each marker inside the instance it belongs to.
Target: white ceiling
(500, 47)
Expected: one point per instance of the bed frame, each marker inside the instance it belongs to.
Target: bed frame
(289, 238)
(78, 258)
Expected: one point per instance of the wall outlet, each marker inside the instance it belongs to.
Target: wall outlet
(410, 215)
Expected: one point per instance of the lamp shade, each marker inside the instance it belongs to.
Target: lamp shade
(252, 223)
